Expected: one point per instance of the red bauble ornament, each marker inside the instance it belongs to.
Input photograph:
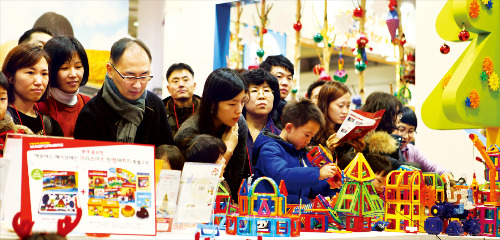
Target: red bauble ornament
(358, 12)
(264, 31)
(297, 26)
(445, 49)
(464, 35)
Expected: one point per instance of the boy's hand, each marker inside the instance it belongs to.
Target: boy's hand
(230, 138)
(327, 171)
(332, 141)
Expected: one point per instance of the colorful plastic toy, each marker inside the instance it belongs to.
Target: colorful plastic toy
(403, 193)
(319, 157)
(492, 200)
(262, 214)
(358, 199)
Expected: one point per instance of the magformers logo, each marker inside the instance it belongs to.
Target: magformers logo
(40, 145)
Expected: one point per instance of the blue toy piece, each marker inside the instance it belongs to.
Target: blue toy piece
(472, 226)
(213, 230)
(454, 229)
(220, 220)
(433, 225)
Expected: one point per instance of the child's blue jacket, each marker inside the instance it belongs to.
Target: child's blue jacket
(280, 160)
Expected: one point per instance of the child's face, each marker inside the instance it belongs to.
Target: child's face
(301, 136)
(3, 102)
(406, 131)
(379, 182)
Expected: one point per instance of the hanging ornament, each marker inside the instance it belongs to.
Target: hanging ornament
(254, 65)
(358, 13)
(464, 35)
(318, 69)
(402, 41)
(324, 76)
(474, 9)
(392, 22)
(260, 52)
(444, 49)
(340, 75)
(392, 5)
(264, 31)
(318, 37)
(297, 26)
(360, 66)
(404, 95)
(356, 100)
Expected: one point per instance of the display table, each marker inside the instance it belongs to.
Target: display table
(189, 234)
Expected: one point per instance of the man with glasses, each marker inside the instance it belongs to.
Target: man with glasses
(123, 111)
(407, 126)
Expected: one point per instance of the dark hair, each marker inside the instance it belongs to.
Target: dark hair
(56, 23)
(61, 50)
(3, 81)
(330, 92)
(260, 76)
(301, 112)
(221, 85)
(314, 85)
(172, 154)
(26, 37)
(378, 163)
(203, 148)
(179, 66)
(45, 236)
(121, 45)
(408, 117)
(22, 56)
(381, 100)
(277, 61)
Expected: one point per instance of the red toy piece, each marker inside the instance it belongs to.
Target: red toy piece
(319, 157)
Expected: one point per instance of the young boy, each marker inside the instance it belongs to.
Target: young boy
(380, 165)
(283, 157)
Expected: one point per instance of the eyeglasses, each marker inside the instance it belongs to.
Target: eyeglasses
(132, 79)
(266, 92)
(403, 131)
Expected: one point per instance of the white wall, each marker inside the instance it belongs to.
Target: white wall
(150, 30)
(189, 38)
(450, 148)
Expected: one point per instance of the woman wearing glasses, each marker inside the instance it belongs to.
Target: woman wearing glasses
(407, 128)
(263, 98)
(27, 70)
(69, 70)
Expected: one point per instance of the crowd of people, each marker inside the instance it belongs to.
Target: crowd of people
(241, 121)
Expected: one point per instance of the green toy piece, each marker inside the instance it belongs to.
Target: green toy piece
(446, 108)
